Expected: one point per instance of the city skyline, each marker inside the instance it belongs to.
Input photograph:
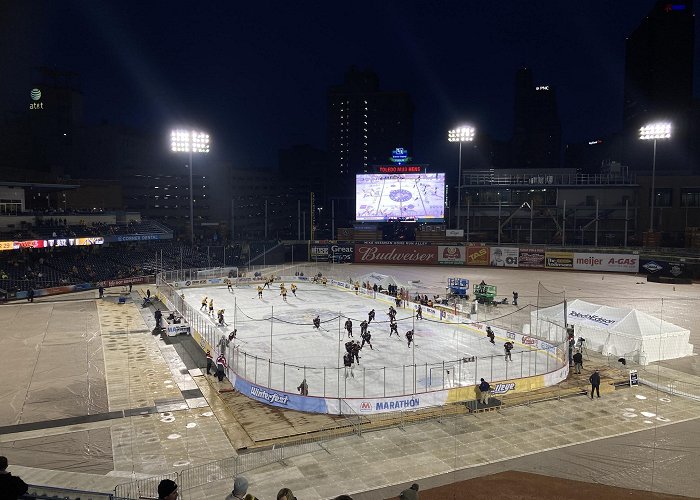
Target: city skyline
(258, 84)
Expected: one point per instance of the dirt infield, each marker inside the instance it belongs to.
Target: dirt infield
(524, 486)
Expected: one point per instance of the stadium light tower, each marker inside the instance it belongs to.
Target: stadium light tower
(654, 132)
(189, 141)
(460, 135)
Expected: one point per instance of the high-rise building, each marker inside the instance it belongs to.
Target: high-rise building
(659, 66)
(365, 124)
(536, 130)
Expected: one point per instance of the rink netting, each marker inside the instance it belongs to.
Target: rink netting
(453, 350)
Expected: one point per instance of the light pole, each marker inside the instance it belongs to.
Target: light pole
(654, 132)
(460, 135)
(189, 141)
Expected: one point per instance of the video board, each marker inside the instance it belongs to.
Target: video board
(384, 197)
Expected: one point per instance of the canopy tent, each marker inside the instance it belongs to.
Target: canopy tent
(382, 280)
(617, 331)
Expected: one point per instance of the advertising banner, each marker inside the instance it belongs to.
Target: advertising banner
(123, 281)
(662, 268)
(451, 254)
(332, 252)
(138, 237)
(559, 260)
(281, 399)
(60, 242)
(504, 256)
(395, 254)
(609, 262)
(454, 233)
(399, 403)
(477, 256)
(531, 257)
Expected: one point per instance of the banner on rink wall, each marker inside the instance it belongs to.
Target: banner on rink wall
(608, 262)
(559, 260)
(531, 257)
(504, 257)
(281, 399)
(395, 254)
(399, 403)
(663, 268)
(332, 252)
(124, 281)
(451, 254)
(477, 256)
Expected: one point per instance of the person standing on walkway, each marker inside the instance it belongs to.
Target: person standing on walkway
(595, 383)
(484, 389)
(148, 293)
(11, 487)
(220, 367)
(101, 291)
(410, 493)
(515, 298)
(578, 362)
(210, 362)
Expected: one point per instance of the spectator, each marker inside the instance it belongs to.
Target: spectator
(167, 490)
(484, 388)
(410, 493)
(285, 494)
(240, 490)
(578, 362)
(11, 487)
(594, 379)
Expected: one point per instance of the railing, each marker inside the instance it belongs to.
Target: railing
(36, 492)
(528, 179)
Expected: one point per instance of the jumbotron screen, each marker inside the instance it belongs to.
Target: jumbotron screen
(381, 197)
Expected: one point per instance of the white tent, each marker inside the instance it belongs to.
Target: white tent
(618, 331)
(382, 280)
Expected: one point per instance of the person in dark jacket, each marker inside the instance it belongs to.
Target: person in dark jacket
(484, 389)
(595, 383)
(410, 493)
(159, 317)
(11, 487)
(578, 362)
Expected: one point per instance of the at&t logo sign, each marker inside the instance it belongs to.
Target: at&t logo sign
(35, 94)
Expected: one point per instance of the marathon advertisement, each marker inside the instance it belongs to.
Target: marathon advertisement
(332, 252)
(559, 260)
(478, 256)
(395, 254)
(451, 255)
(607, 262)
(504, 257)
(531, 257)
(662, 268)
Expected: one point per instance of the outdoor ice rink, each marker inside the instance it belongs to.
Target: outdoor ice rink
(300, 351)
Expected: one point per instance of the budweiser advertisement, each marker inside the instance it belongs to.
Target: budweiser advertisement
(395, 254)
(451, 254)
(477, 256)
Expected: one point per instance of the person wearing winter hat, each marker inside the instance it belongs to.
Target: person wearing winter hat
(167, 490)
(240, 490)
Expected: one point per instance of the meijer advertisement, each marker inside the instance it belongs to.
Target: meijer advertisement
(610, 262)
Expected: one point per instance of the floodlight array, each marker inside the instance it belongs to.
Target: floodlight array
(653, 131)
(184, 141)
(461, 134)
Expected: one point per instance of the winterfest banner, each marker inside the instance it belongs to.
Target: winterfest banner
(608, 262)
(451, 254)
(531, 257)
(395, 254)
(477, 256)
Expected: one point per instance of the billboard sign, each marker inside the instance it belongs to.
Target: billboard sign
(559, 260)
(663, 268)
(395, 254)
(477, 256)
(332, 252)
(381, 197)
(504, 257)
(451, 255)
(608, 262)
(531, 257)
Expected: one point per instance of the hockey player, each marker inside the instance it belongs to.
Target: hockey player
(229, 286)
(211, 307)
(294, 289)
(392, 313)
(394, 329)
(260, 289)
(366, 337)
(267, 283)
(204, 303)
(283, 293)
(348, 327)
(317, 323)
(507, 347)
(223, 344)
(409, 337)
(347, 362)
(324, 281)
(419, 312)
(350, 347)
(491, 335)
(220, 315)
(357, 287)
(370, 316)
(363, 327)
(356, 351)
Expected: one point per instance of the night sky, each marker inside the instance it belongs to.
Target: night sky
(255, 74)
